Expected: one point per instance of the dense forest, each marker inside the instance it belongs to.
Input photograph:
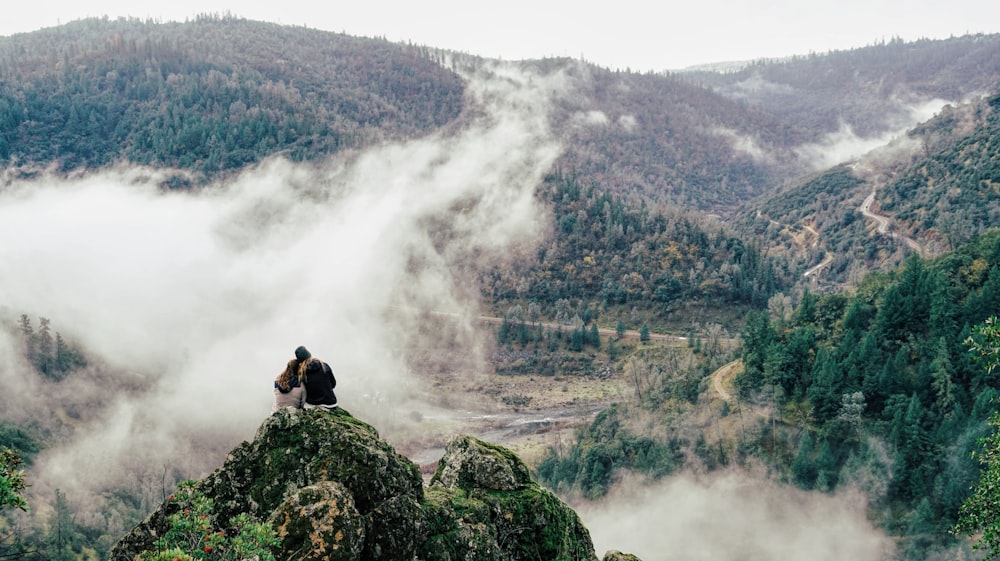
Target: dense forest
(871, 89)
(209, 96)
(873, 388)
(626, 259)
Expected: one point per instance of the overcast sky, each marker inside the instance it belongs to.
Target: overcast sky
(636, 34)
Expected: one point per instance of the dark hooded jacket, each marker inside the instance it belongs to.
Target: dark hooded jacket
(319, 383)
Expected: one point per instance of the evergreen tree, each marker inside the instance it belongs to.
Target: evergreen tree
(803, 469)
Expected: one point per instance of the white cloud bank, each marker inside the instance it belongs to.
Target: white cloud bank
(845, 145)
(731, 516)
(202, 296)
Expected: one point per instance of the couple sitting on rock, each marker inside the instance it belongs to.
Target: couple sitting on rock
(307, 382)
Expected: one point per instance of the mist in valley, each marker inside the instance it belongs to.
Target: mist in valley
(188, 304)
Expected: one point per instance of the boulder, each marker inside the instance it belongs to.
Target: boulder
(334, 491)
(489, 494)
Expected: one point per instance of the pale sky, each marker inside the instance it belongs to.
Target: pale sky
(637, 34)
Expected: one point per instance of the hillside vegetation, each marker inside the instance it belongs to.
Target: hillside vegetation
(679, 203)
(871, 90)
(209, 96)
(872, 389)
(939, 186)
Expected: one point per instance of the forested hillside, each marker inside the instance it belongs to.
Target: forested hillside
(666, 140)
(871, 90)
(219, 93)
(954, 194)
(938, 185)
(873, 389)
(644, 263)
(211, 95)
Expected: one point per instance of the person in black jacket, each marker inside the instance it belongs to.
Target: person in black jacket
(319, 382)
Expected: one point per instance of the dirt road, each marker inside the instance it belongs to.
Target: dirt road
(722, 379)
(884, 222)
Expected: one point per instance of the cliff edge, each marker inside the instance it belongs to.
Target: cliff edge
(334, 490)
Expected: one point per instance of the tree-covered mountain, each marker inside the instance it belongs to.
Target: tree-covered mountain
(872, 90)
(210, 95)
(937, 185)
(218, 93)
(872, 389)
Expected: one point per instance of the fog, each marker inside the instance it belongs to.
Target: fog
(845, 145)
(189, 303)
(195, 300)
(732, 516)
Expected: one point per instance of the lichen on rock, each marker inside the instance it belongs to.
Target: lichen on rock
(319, 521)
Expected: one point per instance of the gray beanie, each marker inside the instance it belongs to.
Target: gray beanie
(302, 353)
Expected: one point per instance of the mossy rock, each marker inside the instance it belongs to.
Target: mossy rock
(488, 484)
(335, 491)
(296, 448)
(319, 522)
(470, 463)
(456, 527)
(393, 530)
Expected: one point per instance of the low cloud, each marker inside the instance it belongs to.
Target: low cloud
(744, 143)
(590, 119)
(733, 516)
(196, 299)
(845, 145)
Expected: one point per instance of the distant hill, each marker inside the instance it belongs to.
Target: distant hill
(938, 184)
(211, 95)
(218, 93)
(872, 90)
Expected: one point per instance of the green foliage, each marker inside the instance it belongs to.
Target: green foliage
(612, 253)
(210, 96)
(11, 480)
(886, 363)
(54, 358)
(978, 514)
(193, 533)
(602, 448)
(984, 343)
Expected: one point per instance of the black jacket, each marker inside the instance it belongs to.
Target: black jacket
(319, 383)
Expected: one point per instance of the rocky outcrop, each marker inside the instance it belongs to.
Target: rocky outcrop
(334, 490)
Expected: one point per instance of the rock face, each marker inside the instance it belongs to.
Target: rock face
(335, 491)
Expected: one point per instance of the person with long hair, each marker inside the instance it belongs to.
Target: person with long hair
(288, 390)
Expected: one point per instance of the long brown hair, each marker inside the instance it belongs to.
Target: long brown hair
(292, 369)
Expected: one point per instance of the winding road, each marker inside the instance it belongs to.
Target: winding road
(722, 377)
(884, 222)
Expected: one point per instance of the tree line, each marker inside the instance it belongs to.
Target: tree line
(873, 389)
